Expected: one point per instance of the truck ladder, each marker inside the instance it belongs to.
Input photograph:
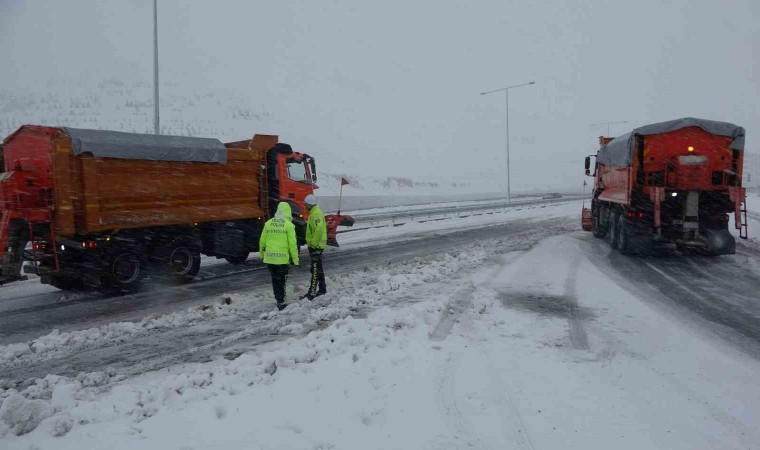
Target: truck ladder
(738, 197)
(743, 233)
(44, 219)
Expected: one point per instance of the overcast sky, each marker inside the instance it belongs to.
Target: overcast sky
(391, 87)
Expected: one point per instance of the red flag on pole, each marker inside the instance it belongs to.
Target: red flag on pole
(343, 181)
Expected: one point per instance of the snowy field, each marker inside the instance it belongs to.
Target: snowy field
(530, 341)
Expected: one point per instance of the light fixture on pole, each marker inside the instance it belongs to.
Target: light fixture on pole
(506, 90)
(608, 125)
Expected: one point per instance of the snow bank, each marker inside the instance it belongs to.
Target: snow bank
(92, 399)
(56, 343)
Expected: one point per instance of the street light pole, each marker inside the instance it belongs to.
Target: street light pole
(509, 178)
(506, 91)
(156, 122)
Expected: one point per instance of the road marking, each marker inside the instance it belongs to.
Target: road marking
(676, 282)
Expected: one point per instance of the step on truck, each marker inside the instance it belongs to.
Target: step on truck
(104, 209)
(669, 185)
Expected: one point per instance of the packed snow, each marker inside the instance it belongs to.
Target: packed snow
(502, 344)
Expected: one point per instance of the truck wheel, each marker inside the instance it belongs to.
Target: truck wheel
(184, 262)
(125, 273)
(623, 240)
(612, 237)
(237, 259)
(596, 229)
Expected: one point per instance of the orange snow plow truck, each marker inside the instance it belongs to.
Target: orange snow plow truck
(106, 209)
(669, 185)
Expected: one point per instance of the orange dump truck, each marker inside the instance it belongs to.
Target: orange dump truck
(106, 209)
(670, 185)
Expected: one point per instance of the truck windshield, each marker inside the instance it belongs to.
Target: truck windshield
(297, 171)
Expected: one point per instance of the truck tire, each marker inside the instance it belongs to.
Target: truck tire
(623, 238)
(237, 259)
(596, 229)
(125, 273)
(612, 238)
(184, 262)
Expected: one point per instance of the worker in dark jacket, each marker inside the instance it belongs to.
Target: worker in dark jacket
(278, 248)
(316, 241)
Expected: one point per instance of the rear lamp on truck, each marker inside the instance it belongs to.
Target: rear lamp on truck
(690, 149)
(635, 215)
(89, 244)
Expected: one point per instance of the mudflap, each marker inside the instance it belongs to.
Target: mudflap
(640, 238)
(333, 221)
(720, 242)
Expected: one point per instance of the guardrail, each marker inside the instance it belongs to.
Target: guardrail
(397, 218)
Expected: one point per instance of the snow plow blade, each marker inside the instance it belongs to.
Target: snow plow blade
(586, 224)
(333, 221)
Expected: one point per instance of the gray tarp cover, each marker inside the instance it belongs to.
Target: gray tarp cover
(115, 144)
(619, 151)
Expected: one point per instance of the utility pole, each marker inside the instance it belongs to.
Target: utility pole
(156, 121)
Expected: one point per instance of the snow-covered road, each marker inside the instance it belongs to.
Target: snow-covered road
(28, 309)
(512, 331)
(157, 341)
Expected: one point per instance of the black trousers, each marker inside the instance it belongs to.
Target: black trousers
(317, 284)
(279, 278)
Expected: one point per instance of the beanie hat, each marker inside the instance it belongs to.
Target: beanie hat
(310, 200)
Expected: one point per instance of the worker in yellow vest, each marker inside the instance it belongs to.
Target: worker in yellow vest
(316, 241)
(278, 248)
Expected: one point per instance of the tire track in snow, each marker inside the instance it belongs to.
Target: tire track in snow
(447, 403)
(458, 304)
(513, 428)
(614, 346)
(462, 300)
(577, 333)
(514, 422)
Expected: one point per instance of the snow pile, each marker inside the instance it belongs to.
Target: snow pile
(56, 343)
(20, 415)
(88, 399)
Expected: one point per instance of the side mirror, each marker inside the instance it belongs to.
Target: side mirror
(588, 166)
(313, 166)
